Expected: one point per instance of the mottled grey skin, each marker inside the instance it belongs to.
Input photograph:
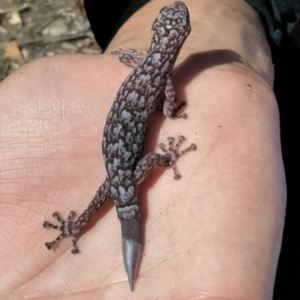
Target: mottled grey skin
(124, 133)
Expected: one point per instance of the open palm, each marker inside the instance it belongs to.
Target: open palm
(215, 232)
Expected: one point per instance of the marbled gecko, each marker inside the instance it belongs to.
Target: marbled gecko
(124, 134)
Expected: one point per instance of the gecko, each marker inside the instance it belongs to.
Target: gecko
(124, 134)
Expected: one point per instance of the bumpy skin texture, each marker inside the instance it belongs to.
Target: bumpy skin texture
(124, 133)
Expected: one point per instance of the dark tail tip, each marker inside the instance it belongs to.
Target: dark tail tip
(131, 254)
(131, 247)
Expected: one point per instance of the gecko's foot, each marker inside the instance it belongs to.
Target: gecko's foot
(183, 115)
(173, 151)
(66, 228)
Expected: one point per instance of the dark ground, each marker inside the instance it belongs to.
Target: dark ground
(32, 29)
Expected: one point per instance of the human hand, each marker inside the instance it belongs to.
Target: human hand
(216, 232)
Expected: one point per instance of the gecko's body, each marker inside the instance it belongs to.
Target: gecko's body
(124, 133)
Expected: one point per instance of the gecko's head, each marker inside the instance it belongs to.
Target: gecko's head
(172, 26)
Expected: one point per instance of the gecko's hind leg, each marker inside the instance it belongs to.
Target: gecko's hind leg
(172, 154)
(131, 228)
(65, 229)
(71, 227)
(173, 151)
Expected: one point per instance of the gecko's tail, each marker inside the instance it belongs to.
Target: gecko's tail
(131, 247)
